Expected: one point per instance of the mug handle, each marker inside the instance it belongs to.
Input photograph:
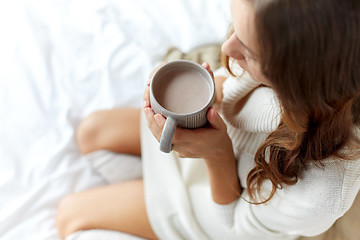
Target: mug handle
(167, 135)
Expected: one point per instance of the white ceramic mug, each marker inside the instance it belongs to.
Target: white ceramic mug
(182, 91)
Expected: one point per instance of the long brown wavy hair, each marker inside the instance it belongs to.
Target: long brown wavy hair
(310, 51)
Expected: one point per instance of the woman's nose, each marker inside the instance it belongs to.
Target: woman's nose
(232, 48)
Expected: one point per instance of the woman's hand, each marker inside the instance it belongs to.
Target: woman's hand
(149, 113)
(210, 142)
(205, 142)
(219, 80)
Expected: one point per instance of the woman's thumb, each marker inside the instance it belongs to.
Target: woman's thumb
(215, 119)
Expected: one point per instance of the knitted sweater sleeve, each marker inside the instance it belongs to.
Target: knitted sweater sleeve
(307, 208)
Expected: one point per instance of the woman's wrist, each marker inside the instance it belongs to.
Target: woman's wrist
(224, 180)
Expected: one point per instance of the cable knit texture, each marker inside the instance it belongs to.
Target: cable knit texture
(178, 194)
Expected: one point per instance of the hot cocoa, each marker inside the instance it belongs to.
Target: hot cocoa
(183, 91)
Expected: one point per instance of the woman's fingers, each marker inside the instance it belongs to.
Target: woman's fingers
(155, 121)
(185, 141)
(207, 67)
(160, 120)
(152, 123)
(218, 86)
(215, 120)
(146, 96)
(153, 72)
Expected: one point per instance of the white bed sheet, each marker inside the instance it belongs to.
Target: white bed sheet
(63, 59)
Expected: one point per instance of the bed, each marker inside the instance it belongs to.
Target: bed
(60, 61)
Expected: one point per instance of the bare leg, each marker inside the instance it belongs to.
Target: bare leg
(119, 207)
(117, 130)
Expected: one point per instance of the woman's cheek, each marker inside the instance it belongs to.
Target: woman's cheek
(259, 76)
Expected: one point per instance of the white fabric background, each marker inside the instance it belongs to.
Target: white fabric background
(63, 59)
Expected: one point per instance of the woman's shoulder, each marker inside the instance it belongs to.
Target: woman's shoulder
(322, 194)
(327, 188)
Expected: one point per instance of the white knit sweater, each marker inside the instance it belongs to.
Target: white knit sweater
(178, 196)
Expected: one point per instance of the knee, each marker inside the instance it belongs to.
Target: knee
(67, 219)
(88, 132)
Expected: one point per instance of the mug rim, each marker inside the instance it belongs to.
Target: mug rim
(212, 84)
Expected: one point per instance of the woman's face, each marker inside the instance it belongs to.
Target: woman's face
(242, 45)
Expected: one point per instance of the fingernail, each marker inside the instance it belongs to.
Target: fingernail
(212, 113)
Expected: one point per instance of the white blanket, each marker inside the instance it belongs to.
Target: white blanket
(63, 59)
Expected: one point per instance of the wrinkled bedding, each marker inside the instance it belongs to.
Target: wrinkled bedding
(63, 59)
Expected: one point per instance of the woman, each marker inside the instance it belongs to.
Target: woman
(281, 162)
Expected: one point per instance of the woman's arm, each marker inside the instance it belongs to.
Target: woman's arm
(224, 181)
(222, 171)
